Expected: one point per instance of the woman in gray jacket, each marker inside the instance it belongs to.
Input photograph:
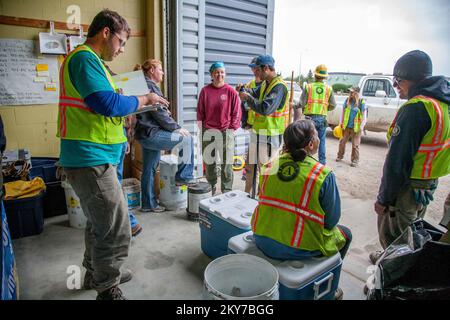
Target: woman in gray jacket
(156, 131)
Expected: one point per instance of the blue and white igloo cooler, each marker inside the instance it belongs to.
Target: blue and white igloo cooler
(223, 217)
(309, 279)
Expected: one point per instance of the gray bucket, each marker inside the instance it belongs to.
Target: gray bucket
(240, 277)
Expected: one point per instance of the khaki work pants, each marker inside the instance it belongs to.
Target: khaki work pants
(108, 232)
(356, 141)
(392, 224)
(216, 143)
(268, 148)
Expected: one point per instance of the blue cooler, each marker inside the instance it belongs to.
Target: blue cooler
(308, 279)
(223, 217)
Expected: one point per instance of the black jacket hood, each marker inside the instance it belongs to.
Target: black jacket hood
(433, 87)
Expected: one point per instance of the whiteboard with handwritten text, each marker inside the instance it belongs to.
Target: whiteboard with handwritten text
(26, 77)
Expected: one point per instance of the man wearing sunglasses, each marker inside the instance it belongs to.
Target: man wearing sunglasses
(90, 125)
(419, 147)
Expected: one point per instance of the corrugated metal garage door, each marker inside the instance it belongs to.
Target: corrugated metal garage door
(235, 32)
(202, 32)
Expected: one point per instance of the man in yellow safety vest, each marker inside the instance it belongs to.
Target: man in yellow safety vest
(419, 147)
(270, 103)
(90, 126)
(316, 100)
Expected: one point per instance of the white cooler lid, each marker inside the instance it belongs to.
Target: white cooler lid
(290, 274)
(235, 207)
(288, 270)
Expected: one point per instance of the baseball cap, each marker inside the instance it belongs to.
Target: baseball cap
(262, 60)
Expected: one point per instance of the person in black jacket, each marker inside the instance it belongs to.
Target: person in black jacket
(156, 131)
(418, 147)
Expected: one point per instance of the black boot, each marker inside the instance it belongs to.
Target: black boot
(113, 293)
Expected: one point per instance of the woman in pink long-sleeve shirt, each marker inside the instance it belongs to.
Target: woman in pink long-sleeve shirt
(218, 114)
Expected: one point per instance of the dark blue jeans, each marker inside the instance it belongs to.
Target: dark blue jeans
(151, 151)
(321, 125)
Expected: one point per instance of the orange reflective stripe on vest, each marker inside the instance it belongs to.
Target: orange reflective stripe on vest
(432, 149)
(304, 202)
(299, 209)
(324, 102)
(66, 101)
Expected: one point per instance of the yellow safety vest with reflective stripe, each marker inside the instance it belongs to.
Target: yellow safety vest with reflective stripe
(76, 121)
(251, 113)
(274, 123)
(358, 118)
(318, 98)
(289, 212)
(432, 160)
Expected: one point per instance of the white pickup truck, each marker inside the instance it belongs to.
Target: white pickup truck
(382, 102)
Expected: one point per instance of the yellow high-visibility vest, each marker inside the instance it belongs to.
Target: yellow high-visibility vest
(76, 121)
(432, 160)
(318, 98)
(289, 210)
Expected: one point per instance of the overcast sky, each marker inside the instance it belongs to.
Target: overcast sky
(359, 35)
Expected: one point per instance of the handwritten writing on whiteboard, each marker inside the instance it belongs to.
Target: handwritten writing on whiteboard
(18, 71)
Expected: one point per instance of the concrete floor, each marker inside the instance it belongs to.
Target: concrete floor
(166, 258)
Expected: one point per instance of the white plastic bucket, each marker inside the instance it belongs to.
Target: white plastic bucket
(77, 219)
(240, 277)
(171, 196)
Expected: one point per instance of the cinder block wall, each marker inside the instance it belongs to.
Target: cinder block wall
(34, 126)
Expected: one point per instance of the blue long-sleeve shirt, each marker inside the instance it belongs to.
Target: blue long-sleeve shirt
(111, 104)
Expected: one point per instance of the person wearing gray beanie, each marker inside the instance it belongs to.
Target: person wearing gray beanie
(419, 147)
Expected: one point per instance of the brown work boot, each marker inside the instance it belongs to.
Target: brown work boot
(136, 230)
(339, 294)
(375, 256)
(113, 293)
(125, 276)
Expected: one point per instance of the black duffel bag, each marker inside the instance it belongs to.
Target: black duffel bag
(416, 266)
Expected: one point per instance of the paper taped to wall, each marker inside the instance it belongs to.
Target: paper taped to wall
(23, 72)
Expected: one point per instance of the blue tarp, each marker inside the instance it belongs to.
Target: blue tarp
(8, 289)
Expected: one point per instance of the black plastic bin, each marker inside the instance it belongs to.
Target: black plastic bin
(25, 216)
(54, 200)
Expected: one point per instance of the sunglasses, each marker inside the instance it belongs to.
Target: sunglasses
(397, 81)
